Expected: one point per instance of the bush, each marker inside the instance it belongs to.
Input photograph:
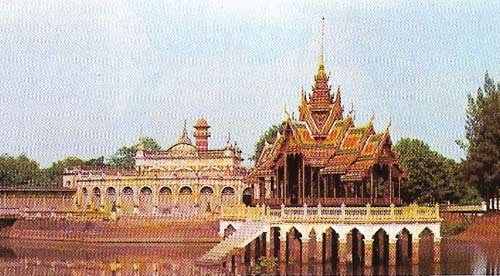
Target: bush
(450, 229)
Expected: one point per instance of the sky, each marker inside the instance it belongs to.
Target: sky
(83, 78)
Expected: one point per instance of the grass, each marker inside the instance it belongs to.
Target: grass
(453, 228)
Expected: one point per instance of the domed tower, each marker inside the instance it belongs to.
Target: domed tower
(201, 134)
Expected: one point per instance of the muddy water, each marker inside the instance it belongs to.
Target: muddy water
(62, 258)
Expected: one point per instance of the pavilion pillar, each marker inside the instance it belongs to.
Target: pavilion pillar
(269, 244)
(252, 252)
(368, 252)
(282, 251)
(392, 251)
(267, 187)
(391, 188)
(371, 184)
(437, 250)
(319, 248)
(305, 251)
(343, 251)
(285, 178)
(415, 253)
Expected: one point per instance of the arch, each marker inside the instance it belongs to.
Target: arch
(228, 191)
(96, 198)
(229, 230)
(128, 191)
(146, 190)
(403, 245)
(110, 191)
(330, 244)
(84, 190)
(425, 231)
(146, 201)
(380, 248)
(206, 190)
(84, 198)
(247, 196)
(165, 191)
(127, 200)
(294, 245)
(426, 244)
(185, 190)
(356, 244)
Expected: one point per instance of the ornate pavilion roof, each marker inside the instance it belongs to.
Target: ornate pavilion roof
(325, 137)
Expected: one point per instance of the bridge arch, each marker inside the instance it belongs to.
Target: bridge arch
(165, 199)
(96, 198)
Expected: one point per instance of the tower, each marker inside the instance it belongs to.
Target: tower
(201, 134)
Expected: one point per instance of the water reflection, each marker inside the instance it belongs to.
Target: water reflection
(76, 259)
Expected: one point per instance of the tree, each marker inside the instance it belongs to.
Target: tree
(56, 169)
(124, 157)
(269, 136)
(21, 170)
(432, 177)
(482, 163)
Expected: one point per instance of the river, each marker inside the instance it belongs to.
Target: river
(63, 258)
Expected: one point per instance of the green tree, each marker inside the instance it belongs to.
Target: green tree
(270, 136)
(56, 169)
(21, 170)
(432, 177)
(482, 163)
(124, 157)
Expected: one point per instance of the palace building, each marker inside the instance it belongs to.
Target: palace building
(321, 157)
(185, 179)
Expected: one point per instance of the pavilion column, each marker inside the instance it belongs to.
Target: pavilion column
(391, 188)
(252, 252)
(282, 251)
(371, 185)
(437, 250)
(311, 192)
(285, 178)
(415, 253)
(305, 251)
(368, 252)
(267, 187)
(343, 251)
(269, 244)
(319, 248)
(392, 251)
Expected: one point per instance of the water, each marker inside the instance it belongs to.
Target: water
(75, 259)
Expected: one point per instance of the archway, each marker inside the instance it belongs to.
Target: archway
(185, 201)
(380, 255)
(96, 198)
(206, 199)
(403, 246)
(84, 200)
(294, 246)
(229, 231)
(164, 199)
(330, 246)
(127, 200)
(357, 247)
(110, 202)
(247, 196)
(426, 244)
(228, 196)
(146, 201)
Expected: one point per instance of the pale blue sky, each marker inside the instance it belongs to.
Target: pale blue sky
(82, 78)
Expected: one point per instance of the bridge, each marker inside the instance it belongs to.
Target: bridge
(339, 235)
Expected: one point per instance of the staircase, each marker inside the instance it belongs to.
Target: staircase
(248, 232)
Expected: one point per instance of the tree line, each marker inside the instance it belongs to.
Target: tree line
(21, 170)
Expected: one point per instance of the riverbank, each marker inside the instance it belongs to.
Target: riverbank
(126, 230)
(485, 228)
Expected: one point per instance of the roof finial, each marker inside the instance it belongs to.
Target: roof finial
(184, 139)
(389, 124)
(287, 115)
(372, 116)
(228, 137)
(321, 54)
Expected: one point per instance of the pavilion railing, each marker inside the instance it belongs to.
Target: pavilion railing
(365, 214)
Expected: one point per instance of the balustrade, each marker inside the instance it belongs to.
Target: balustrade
(365, 214)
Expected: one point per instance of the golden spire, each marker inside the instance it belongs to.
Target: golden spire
(321, 68)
